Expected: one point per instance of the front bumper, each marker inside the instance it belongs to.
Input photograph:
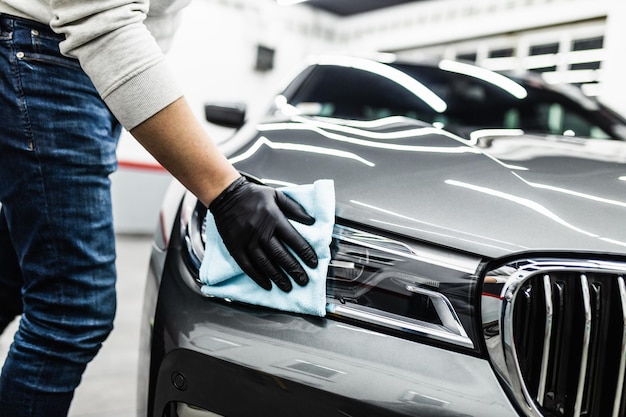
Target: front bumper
(238, 360)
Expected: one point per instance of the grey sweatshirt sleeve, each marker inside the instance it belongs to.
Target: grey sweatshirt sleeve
(118, 53)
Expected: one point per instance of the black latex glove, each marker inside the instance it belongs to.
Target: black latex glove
(252, 221)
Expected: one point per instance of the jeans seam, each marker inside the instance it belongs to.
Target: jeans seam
(28, 130)
(17, 80)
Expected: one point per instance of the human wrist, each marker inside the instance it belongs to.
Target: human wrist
(217, 201)
(216, 183)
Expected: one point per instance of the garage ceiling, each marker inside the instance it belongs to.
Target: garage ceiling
(352, 7)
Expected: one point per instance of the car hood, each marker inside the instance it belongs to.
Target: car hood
(494, 196)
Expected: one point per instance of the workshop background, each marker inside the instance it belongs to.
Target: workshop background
(241, 50)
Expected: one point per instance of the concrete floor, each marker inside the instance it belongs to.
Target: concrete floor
(108, 388)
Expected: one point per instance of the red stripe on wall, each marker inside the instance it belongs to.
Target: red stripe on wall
(142, 166)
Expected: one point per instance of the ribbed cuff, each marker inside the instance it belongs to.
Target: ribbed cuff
(144, 95)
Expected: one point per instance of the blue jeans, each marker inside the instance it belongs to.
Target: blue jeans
(57, 268)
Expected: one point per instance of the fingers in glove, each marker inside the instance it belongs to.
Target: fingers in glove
(281, 257)
(292, 209)
(248, 268)
(267, 268)
(290, 237)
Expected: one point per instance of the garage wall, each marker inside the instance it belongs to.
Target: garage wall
(437, 22)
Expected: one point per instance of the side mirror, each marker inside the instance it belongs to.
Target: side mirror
(225, 114)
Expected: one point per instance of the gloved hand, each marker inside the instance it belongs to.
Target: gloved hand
(252, 221)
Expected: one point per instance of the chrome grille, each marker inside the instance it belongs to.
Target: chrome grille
(560, 343)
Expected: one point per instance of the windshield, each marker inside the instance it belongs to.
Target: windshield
(452, 100)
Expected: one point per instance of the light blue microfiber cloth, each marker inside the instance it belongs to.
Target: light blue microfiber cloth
(221, 276)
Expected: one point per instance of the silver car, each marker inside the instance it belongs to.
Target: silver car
(478, 255)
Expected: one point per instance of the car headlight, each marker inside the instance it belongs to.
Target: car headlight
(388, 283)
(395, 284)
(555, 329)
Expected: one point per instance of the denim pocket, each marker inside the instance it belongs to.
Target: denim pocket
(35, 42)
(49, 59)
(45, 49)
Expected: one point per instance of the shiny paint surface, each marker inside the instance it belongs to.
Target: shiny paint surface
(237, 360)
(499, 196)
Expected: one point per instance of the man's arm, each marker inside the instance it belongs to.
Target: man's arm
(251, 218)
(175, 137)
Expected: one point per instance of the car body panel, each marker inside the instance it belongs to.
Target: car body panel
(481, 200)
(239, 360)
